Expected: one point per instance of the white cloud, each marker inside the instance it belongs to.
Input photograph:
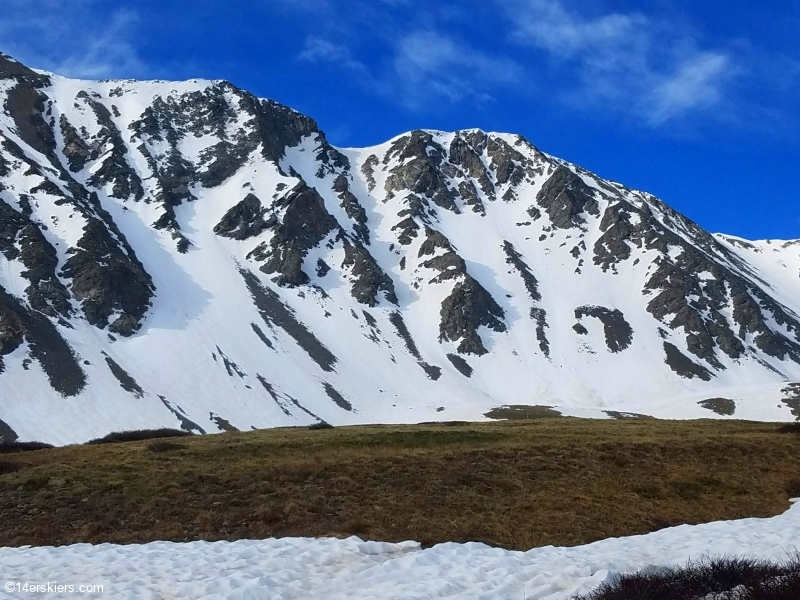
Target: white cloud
(624, 62)
(425, 68)
(321, 50)
(70, 38)
(430, 66)
(696, 83)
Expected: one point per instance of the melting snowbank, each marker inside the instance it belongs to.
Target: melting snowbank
(352, 569)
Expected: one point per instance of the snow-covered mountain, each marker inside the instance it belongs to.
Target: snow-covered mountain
(186, 254)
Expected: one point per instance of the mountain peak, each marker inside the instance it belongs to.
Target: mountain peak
(188, 254)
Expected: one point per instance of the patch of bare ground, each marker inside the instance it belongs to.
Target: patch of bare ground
(514, 484)
(724, 407)
(522, 411)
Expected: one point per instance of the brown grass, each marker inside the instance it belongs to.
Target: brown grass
(514, 484)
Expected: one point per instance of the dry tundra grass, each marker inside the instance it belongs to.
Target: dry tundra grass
(515, 484)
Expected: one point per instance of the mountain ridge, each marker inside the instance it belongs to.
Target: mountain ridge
(186, 254)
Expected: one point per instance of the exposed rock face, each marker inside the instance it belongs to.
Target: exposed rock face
(10, 68)
(115, 171)
(107, 281)
(21, 239)
(76, 149)
(245, 220)
(461, 365)
(618, 332)
(684, 301)
(276, 314)
(417, 171)
(26, 105)
(468, 158)
(11, 332)
(7, 435)
(396, 319)
(368, 277)
(353, 208)
(467, 308)
(683, 365)
(46, 345)
(565, 198)
(514, 258)
(791, 397)
(721, 406)
(698, 306)
(352, 273)
(540, 316)
(305, 224)
(126, 382)
(337, 397)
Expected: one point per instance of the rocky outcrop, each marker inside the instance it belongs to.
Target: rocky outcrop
(469, 307)
(126, 382)
(683, 365)
(26, 104)
(565, 197)
(416, 212)
(514, 259)
(618, 332)
(11, 332)
(418, 172)
(369, 280)
(685, 301)
(45, 344)
(448, 263)
(76, 150)
(337, 397)
(399, 323)
(244, 220)
(352, 207)
(115, 171)
(276, 314)
(469, 160)
(540, 316)
(304, 225)
(460, 365)
(108, 281)
(7, 435)
(21, 239)
(12, 69)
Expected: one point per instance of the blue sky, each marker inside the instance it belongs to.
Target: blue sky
(698, 103)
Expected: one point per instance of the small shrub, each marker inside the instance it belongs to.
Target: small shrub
(793, 489)
(321, 425)
(733, 578)
(7, 467)
(789, 428)
(163, 446)
(139, 435)
(14, 447)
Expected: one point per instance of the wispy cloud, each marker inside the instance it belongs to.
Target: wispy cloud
(431, 65)
(72, 38)
(625, 62)
(424, 68)
(621, 62)
(321, 50)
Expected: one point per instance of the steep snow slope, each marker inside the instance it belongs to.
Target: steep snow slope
(185, 254)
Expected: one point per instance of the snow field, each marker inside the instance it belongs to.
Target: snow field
(351, 569)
